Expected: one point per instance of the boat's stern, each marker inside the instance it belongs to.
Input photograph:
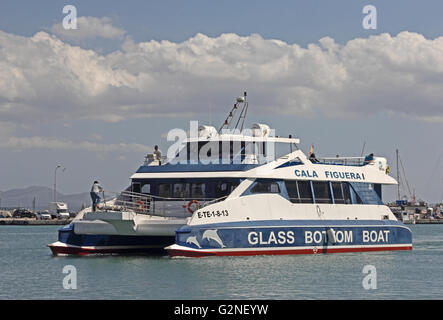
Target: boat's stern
(116, 234)
(62, 247)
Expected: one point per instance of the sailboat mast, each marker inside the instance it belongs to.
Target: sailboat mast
(398, 177)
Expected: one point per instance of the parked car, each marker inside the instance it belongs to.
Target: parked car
(44, 215)
(23, 213)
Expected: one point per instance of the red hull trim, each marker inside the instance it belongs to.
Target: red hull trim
(200, 254)
(66, 250)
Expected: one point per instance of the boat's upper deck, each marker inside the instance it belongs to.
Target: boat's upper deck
(257, 152)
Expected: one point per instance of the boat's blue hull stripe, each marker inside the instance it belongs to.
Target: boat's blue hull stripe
(284, 234)
(67, 235)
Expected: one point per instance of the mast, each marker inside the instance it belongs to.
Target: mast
(227, 123)
(398, 177)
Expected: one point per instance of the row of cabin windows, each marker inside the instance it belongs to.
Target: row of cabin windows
(265, 187)
(306, 191)
(182, 190)
(235, 149)
(190, 190)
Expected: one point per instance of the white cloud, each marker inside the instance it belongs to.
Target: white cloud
(89, 28)
(62, 144)
(44, 78)
(22, 143)
(9, 140)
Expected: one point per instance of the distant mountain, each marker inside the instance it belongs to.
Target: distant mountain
(43, 195)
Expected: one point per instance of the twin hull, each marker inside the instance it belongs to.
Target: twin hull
(303, 236)
(150, 235)
(290, 237)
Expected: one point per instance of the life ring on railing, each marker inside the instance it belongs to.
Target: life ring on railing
(190, 204)
(139, 205)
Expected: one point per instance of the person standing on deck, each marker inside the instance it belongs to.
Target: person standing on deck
(369, 159)
(157, 155)
(95, 194)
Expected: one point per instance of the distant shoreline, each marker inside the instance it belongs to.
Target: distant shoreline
(32, 222)
(35, 222)
(429, 221)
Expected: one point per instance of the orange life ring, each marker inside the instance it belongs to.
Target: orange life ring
(139, 205)
(191, 203)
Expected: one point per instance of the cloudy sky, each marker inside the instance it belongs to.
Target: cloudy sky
(97, 98)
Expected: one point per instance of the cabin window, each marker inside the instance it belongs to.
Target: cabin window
(293, 162)
(222, 189)
(358, 199)
(292, 189)
(135, 187)
(198, 190)
(322, 192)
(346, 193)
(304, 191)
(146, 188)
(265, 187)
(164, 190)
(377, 189)
(365, 193)
(180, 190)
(338, 192)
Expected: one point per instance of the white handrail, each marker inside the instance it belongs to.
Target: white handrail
(153, 205)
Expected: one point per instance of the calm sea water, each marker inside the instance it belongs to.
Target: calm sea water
(29, 271)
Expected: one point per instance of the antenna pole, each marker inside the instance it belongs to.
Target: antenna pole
(363, 149)
(231, 116)
(398, 177)
(243, 113)
(55, 183)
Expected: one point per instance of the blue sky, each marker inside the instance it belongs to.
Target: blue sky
(292, 21)
(416, 130)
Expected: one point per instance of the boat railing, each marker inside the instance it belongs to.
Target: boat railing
(151, 159)
(156, 206)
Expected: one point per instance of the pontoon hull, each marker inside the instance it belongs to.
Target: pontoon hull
(290, 237)
(70, 243)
